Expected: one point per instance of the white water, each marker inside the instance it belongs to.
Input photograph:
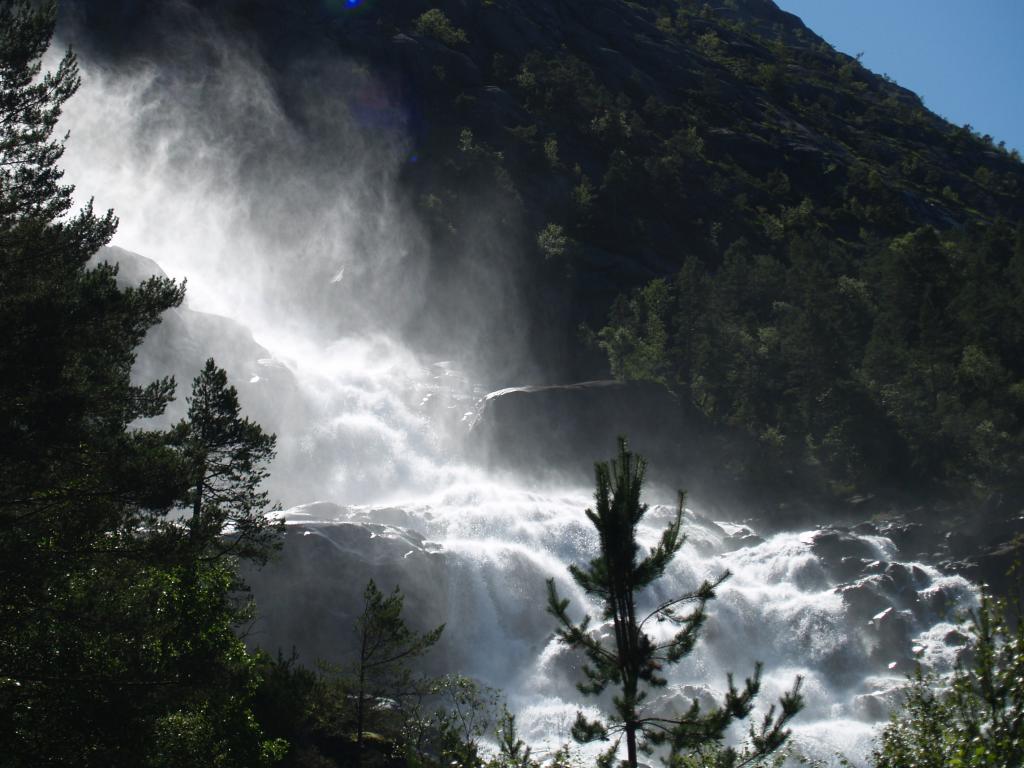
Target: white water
(779, 607)
(365, 421)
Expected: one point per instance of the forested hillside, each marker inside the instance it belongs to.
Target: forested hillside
(815, 282)
(704, 195)
(117, 619)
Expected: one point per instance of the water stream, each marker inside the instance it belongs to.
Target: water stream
(838, 609)
(300, 265)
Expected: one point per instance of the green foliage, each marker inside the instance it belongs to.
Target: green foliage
(638, 351)
(225, 456)
(974, 719)
(463, 713)
(898, 366)
(636, 660)
(435, 24)
(117, 643)
(551, 151)
(664, 153)
(381, 671)
(553, 242)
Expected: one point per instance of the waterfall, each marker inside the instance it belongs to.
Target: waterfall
(472, 550)
(301, 268)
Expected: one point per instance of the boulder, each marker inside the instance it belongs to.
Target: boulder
(741, 539)
(910, 538)
(309, 596)
(184, 339)
(892, 631)
(863, 600)
(843, 555)
(545, 430)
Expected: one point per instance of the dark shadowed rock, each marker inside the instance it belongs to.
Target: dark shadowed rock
(909, 538)
(742, 539)
(184, 339)
(955, 638)
(863, 600)
(892, 631)
(547, 429)
(310, 595)
(834, 545)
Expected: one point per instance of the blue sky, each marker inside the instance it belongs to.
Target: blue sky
(965, 58)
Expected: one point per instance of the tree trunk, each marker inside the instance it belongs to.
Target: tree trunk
(360, 703)
(197, 505)
(631, 744)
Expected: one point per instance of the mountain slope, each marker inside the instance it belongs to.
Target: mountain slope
(826, 270)
(630, 134)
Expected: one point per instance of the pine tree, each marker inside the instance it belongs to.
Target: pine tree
(226, 457)
(386, 647)
(636, 660)
(73, 480)
(116, 648)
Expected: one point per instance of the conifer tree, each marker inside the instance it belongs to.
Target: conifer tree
(386, 647)
(226, 457)
(116, 647)
(73, 480)
(635, 662)
(975, 717)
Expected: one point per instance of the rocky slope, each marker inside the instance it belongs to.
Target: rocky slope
(598, 142)
(558, 153)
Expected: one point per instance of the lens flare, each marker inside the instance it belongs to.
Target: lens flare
(345, 5)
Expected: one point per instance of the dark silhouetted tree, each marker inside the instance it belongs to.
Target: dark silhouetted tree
(381, 672)
(635, 662)
(226, 457)
(116, 649)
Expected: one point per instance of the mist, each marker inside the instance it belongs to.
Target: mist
(275, 190)
(275, 195)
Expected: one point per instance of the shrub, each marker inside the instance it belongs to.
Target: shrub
(435, 24)
(974, 719)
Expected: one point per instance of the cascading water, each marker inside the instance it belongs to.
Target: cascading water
(838, 609)
(361, 421)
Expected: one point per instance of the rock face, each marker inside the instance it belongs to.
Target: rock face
(546, 430)
(555, 433)
(777, 117)
(183, 341)
(311, 594)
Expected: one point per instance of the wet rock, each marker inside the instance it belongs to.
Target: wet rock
(910, 538)
(871, 707)
(966, 568)
(892, 631)
(681, 698)
(185, 339)
(993, 565)
(899, 577)
(741, 540)
(957, 541)
(955, 638)
(832, 545)
(547, 429)
(863, 600)
(921, 577)
(310, 594)
(937, 602)
(848, 568)
(842, 555)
